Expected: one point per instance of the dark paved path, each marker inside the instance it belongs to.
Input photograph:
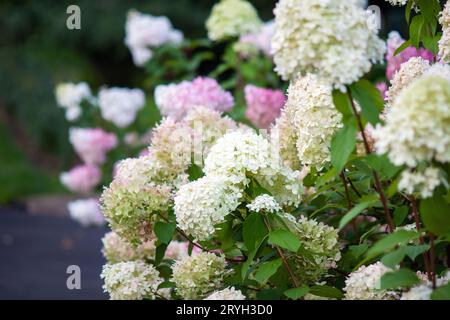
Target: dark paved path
(35, 251)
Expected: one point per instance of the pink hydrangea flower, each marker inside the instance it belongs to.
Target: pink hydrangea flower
(395, 61)
(81, 178)
(383, 88)
(91, 145)
(175, 100)
(263, 105)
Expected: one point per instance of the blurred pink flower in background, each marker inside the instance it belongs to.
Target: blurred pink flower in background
(81, 178)
(175, 100)
(395, 61)
(261, 39)
(383, 88)
(91, 145)
(263, 105)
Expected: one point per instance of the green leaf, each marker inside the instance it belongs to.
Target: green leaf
(441, 293)
(369, 99)
(432, 43)
(342, 103)
(296, 293)
(266, 270)
(408, 12)
(355, 211)
(435, 214)
(166, 284)
(342, 145)
(415, 30)
(253, 230)
(390, 241)
(326, 291)
(225, 234)
(164, 231)
(383, 165)
(195, 172)
(285, 239)
(392, 259)
(160, 252)
(268, 294)
(404, 45)
(403, 278)
(246, 265)
(414, 251)
(400, 214)
(358, 250)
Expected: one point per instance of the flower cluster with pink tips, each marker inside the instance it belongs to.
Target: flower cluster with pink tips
(81, 178)
(92, 144)
(175, 100)
(395, 61)
(263, 105)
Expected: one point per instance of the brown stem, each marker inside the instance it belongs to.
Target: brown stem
(283, 258)
(376, 176)
(433, 259)
(353, 187)
(349, 203)
(415, 212)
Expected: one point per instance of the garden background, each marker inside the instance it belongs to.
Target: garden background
(37, 52)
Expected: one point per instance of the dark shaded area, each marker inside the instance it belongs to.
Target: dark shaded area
(36, 250)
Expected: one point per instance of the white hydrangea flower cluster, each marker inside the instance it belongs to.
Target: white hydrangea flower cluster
(425, 289)
(320, 240)
(226, 294)
(145, 32)
(86, 212)
(417, 128)
(132, 280)
(284, 135)
(232, 18)
(444, 42)
(409, 71)
(364, 284)
(201, 204)
(330, 38)
(197, 275)
(420, 182)
(70, 96)
(314, 120)
(242, 154)
(120, 105)
(264, 203)
(236, 154)
(117, 249)
(422, 292)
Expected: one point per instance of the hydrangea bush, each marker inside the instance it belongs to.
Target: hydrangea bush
(322, 187)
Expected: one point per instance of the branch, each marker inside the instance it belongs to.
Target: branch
(283, 258)
(376, 176)
(349, 202)
(415, 212)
